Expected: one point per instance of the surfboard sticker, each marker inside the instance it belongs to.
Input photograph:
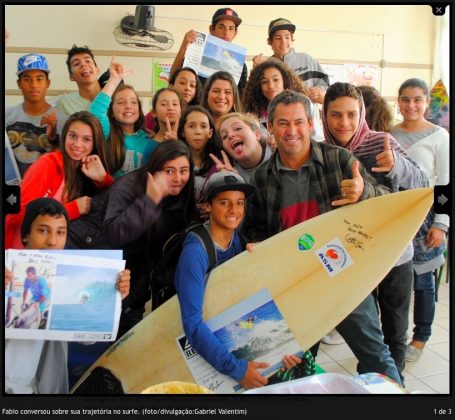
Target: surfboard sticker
(334, 257)
(305, 242)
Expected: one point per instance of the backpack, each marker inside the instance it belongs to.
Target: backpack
(162, 275)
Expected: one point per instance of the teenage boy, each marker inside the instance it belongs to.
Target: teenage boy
(34, 126)
(305, 178)
(225, 194)
(39, 366)
(281, 38)
(84, 71)
(225, 23)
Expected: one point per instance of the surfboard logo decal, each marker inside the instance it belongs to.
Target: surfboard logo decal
(333, 257)
(305, 242)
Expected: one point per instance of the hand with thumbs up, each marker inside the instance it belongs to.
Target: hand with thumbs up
(351, 189)
(385, 159)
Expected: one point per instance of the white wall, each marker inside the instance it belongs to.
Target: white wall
(395, 34)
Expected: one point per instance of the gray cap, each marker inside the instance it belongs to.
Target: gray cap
(280, 24)
(226, 181)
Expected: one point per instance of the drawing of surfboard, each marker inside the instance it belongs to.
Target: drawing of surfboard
(317, 272)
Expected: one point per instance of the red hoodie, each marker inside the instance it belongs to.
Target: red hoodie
(42, 179)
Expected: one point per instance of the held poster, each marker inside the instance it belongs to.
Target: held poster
(210, 54)
(253, 329)
(62, 296)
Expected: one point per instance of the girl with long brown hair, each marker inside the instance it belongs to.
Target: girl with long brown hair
(119, 110)
(267, 80)
(71, 175)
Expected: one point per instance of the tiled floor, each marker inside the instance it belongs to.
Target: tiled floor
(429, 375)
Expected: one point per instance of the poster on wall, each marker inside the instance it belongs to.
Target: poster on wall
(361, 74)
(334, 71)
(160, 75)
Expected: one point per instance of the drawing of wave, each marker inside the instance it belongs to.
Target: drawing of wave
(265, 337)
(82, 317)
(269, 336)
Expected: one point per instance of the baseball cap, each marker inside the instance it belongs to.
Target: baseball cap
(226, 181)
(32, 62)
(226, 13)
(280, 24)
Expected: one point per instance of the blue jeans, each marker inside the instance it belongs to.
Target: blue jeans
(393, 296)
(362, 332)
(424, 305)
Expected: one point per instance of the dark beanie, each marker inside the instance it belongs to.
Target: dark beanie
(41, 206)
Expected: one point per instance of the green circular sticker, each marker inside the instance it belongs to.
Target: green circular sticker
(306, 242)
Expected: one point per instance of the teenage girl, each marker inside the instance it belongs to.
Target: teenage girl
(167, 106)
(119, 110)
(221, 95)
(186, 82)
(428, 145)
(70, 175)
(144, 209)
(197, 130)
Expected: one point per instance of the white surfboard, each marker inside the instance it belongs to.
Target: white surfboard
(317, 272)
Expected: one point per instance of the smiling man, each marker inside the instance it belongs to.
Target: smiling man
(303, 179)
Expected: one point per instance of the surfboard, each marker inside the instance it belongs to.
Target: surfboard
(317, 272)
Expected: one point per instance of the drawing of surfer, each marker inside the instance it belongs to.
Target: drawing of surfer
(39, 300)
(248, 323)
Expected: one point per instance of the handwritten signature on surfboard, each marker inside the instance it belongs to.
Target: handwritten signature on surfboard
(356, 234)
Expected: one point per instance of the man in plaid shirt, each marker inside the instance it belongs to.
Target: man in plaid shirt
(304, 179)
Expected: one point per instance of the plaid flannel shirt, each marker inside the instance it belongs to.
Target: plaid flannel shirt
(328, 166)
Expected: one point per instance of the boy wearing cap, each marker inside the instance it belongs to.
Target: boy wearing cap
(281, 37)
(224, 26)
(34, 126)
(84, 71)
(225, 194)
(39, 366)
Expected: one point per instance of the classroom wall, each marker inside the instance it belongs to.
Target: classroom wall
(400, 38)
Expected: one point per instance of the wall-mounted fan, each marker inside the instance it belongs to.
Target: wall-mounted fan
(138, 31)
